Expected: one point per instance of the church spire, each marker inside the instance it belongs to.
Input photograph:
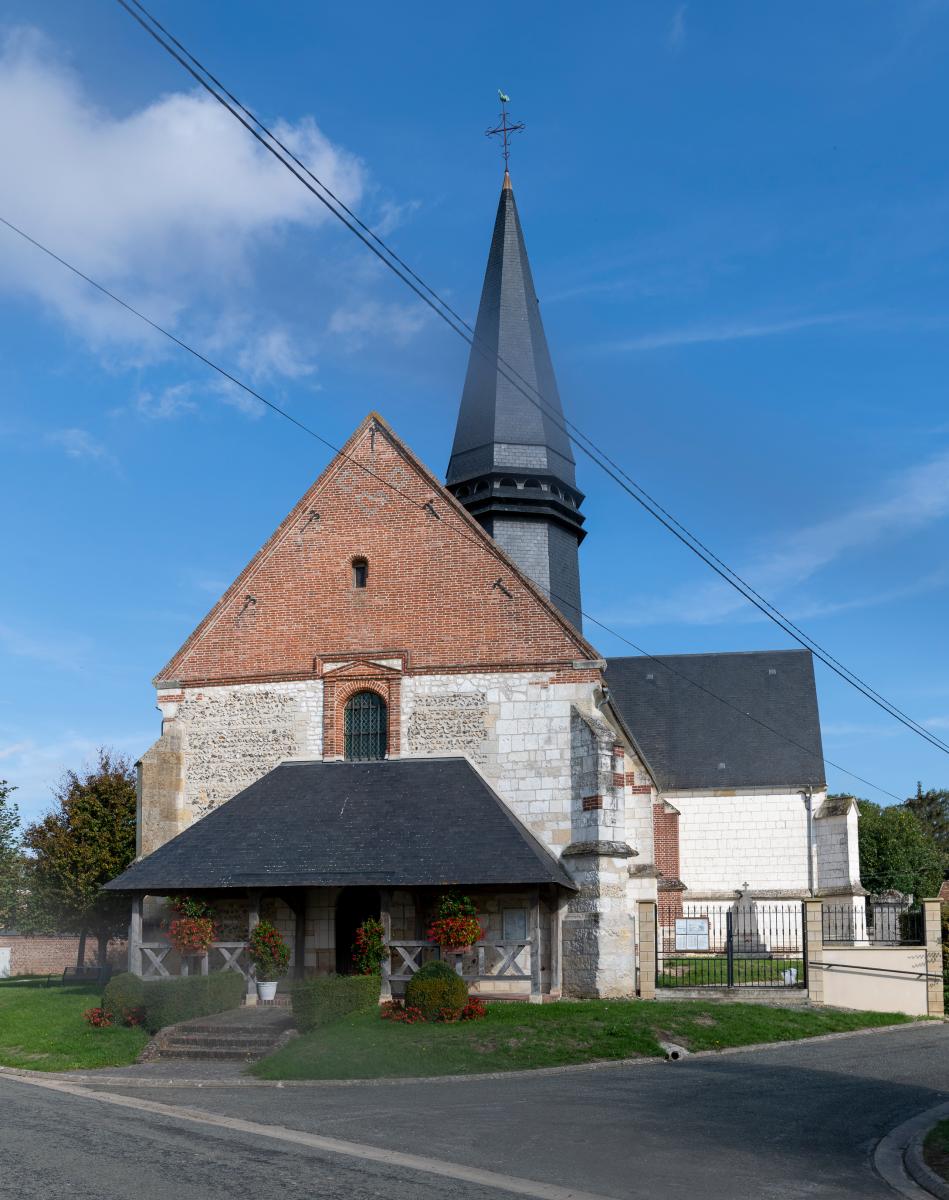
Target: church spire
(511, 464)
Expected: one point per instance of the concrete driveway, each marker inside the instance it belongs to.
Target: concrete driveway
(799, 1120)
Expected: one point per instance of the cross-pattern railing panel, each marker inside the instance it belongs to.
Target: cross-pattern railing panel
(484, 961)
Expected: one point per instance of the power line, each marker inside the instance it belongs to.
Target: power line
(487, 546)
(457, 323)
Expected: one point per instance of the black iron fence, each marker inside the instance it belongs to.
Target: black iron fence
(874, 923)
(746, 945)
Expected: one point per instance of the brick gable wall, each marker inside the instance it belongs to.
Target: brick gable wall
(431, 584)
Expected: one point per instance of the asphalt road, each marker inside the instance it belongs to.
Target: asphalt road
(799, 1120)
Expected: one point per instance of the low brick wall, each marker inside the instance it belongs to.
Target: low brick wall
(34, 954)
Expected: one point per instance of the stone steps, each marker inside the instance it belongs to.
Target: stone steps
(238, 1036)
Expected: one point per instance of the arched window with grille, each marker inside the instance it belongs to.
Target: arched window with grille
(365, 726)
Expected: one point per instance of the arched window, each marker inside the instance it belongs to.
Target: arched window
(360, 573)
(365, 721)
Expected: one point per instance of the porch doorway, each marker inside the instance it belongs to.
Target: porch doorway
(353, 906)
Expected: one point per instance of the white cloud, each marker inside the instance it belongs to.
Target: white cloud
(917, 498)
(57, 650)
(170, 402)
(937, 723)
(35, 766)
(274, 352)
(371, 319)
(677, 28)
(163, 205)
(732, 332)
(78, 443)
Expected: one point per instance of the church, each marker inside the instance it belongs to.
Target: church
(396, 698)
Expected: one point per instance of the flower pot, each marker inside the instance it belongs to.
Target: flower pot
(266, 991)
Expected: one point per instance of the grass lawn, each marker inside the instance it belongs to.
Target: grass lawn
(42, 1029)
(936, 1149)
(516, 1036)
(701, 969)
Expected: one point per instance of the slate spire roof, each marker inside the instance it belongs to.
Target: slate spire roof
(511, 464)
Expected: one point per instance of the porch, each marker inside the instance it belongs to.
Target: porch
(519, 958)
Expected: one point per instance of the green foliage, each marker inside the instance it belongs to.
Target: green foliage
(897, 852)
(369, 948)
(269, 953)
(86, 840)
(435, 987)
(452, 905)
(932, 809)
(169, 1001)
(123, 994)
(327, 998)
(11, 866)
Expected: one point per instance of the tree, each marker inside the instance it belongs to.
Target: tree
(897, 852)
(86, 840)
(10, 862)
(932, 808)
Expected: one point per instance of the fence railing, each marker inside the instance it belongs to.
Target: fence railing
(873, 923)
(481, 962)
(156, 960)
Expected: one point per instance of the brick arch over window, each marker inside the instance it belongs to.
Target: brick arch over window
(336, 695)
(365, 726)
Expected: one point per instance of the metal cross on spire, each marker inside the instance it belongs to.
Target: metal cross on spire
(505, 129)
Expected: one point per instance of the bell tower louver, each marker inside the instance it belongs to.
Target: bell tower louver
(511, 464)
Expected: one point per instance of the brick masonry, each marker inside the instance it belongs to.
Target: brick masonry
(34, 954)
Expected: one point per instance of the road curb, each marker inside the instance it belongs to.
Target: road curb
(917, 1167)
(243, 1081)
(898, 1158)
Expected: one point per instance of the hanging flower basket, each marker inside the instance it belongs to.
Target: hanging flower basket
(456, 927)
(194, 929)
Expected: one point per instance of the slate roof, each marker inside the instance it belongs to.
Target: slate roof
(685, 732)
(398, 822)
(495, 415)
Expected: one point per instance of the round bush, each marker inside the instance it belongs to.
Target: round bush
(435, 987)
(124, 993)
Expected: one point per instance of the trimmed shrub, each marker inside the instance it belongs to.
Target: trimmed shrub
(435, 988)
(169, 1001)
(327, 998)
(124, 995)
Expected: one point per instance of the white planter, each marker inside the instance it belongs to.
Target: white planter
(266, 991)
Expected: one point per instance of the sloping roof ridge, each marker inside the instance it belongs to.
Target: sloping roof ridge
(704, 654)
(536, 846)
(487, 540)
(211, 617)
(372, 419)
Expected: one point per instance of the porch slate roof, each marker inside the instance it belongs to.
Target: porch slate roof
(673, 706)
(400, 822)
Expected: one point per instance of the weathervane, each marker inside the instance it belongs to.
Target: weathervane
(505, 129)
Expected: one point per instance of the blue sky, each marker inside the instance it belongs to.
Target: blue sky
(738, 219)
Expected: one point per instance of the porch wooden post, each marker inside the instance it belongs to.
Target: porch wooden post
(299, 937)
(536, 997)
(135, 935)
(556, 944)
(253, 920)
(385, 916)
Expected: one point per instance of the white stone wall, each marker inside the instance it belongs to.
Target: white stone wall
(234, 735)
(756, 839)
(515, 727)
(837, 848)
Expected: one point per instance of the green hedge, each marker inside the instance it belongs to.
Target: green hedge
(435, 987)
(123, 993)
(318, 1001)
(168, 1001)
